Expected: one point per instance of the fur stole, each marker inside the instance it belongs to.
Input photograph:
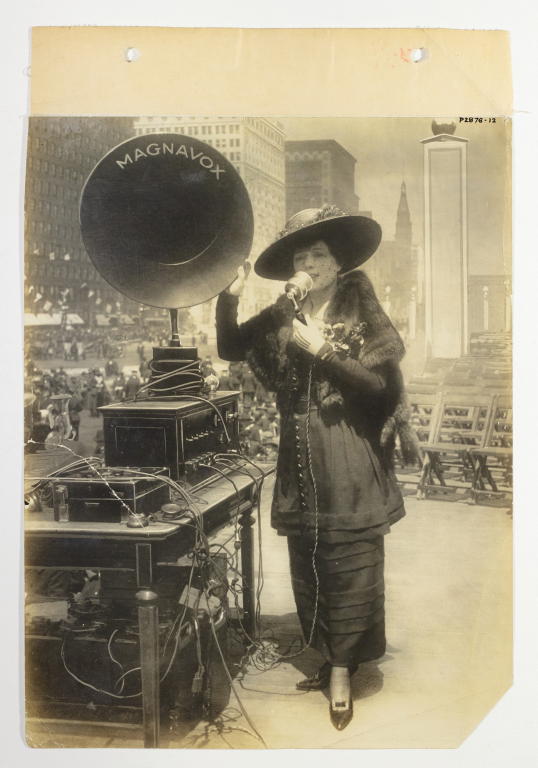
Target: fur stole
(269, 333)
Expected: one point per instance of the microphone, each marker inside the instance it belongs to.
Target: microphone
(298, 286)
(296, 289)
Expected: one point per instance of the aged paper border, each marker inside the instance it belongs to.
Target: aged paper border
(359, 72)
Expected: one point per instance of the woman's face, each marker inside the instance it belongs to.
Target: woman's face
(316, 260)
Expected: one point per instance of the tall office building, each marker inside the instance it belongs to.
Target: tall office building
(255, 146)
(61, 153)
(318, 172)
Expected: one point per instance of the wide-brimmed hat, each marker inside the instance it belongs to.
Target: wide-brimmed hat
(356, 239)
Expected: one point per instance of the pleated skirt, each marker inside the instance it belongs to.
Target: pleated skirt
(343, 617)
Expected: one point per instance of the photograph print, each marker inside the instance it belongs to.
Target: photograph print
(268, 431)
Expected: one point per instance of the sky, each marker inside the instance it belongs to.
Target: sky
(388, 151)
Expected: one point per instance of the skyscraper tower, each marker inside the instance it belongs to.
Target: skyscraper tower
(404, 230)
(317, 172)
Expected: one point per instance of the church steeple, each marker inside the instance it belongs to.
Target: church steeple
(404, 230)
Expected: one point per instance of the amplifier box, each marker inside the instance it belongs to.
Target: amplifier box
(178, 434)
(86, 497)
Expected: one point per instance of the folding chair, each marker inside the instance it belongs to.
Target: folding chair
(462, 424)
(492, 462)
(424, 413)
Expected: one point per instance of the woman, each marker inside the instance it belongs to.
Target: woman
(340, 397)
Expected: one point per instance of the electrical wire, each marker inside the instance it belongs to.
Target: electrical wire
(189, 397)
(262, 656)
(225, 458)
(92, 687)
(113, 659)
(189, 369)
(238, 498)
(178, 633)
(260, 580)
(231, 681)
(94, 468)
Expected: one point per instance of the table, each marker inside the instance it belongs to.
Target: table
(98, 546)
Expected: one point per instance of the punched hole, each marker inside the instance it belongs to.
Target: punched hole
(418, 55)
(132, 54)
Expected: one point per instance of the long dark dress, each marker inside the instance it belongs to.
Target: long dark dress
(335, 496)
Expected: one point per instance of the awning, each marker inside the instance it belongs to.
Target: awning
(44, 318)
(102, 321)
(126, 320)
(73, 319)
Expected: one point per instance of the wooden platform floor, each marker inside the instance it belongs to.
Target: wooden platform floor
(449, 624)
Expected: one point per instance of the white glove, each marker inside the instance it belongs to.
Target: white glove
(236, 288)
(308, 337)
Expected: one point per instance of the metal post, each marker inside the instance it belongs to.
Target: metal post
(148, 623)
(413, 313)
(485, 307)
(507, 306)
(174, 339)
(246, 522)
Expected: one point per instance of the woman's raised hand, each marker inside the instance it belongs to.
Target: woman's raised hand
(236, 288)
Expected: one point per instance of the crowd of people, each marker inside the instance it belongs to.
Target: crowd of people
(77, 344)
(58, 401)
(259, 424)
(62, 397)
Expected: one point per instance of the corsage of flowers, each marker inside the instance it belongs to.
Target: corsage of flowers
(345, 340)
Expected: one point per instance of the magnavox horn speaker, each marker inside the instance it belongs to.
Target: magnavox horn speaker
(166, 220)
